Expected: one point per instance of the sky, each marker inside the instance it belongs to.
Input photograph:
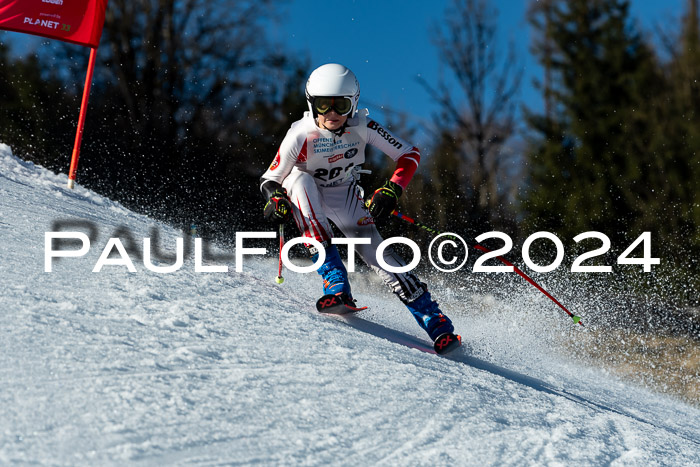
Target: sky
(388, 45)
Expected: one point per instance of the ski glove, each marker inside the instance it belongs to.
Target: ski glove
(278, 208)
(385, 200)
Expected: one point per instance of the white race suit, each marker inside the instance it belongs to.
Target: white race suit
(314, 165)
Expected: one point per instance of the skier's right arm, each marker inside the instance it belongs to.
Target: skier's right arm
(278, 208)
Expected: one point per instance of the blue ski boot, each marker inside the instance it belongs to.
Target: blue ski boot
(334, 274)
(429, 316)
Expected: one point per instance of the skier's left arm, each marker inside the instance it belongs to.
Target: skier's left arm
(385, 199)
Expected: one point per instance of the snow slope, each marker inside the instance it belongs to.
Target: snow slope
(230, 368)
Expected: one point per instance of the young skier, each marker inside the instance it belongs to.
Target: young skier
(314, 179)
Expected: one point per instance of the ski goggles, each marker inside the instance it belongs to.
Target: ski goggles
(342, 105)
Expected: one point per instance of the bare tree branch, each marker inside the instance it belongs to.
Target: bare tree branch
(482, 120)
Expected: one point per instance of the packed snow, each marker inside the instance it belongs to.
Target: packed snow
(145, 368)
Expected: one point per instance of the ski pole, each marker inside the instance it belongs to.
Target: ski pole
(576, 319)
(410, 220)
(279, 279)
(419, 224)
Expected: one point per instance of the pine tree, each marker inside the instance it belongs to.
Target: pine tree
(589, 161)
(685, 74)
(35, 111)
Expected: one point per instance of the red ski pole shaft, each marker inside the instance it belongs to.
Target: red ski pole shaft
(535, 284)
(279, 279)
(576, 319)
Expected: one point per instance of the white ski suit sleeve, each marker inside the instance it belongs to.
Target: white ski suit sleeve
(291, 152)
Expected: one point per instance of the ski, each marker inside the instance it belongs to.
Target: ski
(335, 304)
(447, 342)
(340, 305)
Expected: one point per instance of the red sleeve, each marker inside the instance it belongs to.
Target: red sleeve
(406, 167)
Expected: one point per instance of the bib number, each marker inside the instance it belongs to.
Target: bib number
(326, 175)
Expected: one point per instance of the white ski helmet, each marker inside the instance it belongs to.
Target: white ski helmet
(333, 80)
